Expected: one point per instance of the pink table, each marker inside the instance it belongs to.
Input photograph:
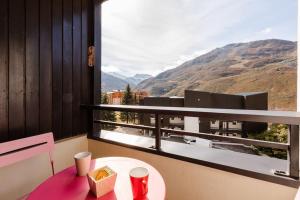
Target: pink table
(66, 185)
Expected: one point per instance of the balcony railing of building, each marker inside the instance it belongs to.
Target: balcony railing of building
(292, 119)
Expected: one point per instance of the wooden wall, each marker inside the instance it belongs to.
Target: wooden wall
(43, 67)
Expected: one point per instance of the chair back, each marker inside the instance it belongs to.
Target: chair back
(297, 197)
(21, 149)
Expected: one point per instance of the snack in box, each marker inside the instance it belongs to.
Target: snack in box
(102, 173)
(102, 180)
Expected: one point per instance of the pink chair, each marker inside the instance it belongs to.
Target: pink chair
(18, 150)
(297, 197)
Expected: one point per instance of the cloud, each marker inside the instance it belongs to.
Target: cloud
(110, 68)
(183, 58)
(149, 36)
(266, 30)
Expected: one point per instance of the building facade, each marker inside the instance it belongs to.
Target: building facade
(173, 122)
(116, 97)
(200, 99)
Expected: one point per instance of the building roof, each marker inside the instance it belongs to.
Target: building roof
(176, 97)
(250, 93)
(237, 94)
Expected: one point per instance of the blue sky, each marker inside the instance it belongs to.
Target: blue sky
(151, 36)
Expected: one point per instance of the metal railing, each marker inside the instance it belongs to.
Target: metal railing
(290, 118)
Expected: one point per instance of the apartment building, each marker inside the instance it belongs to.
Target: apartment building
(174, 122)
(115, 97)
(200, 99)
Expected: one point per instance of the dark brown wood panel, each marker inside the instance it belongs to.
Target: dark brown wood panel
(97, 67)
(44, 76)
(67, 66)
(97, 42)
(4, 71)
(57, 45)
(45, 66)
(16, 69)
(76, 66)
(86, 71)
(32, 67)
(90, 20)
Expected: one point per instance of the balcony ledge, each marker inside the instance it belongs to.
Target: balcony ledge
(259, 167)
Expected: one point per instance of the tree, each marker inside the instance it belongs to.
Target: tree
(107, 115)
(127, 100)
(276, 133)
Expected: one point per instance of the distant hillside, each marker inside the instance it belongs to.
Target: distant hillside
(116, 74)
(110, 83)
(136, 79)
(266, 65)
(115, 81)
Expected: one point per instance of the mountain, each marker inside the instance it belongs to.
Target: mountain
(132, 80)
(110, 83)
(136, 79)
(265, 65)
(115, 81)
(116, 74)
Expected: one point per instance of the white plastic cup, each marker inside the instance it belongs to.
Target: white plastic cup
(82, 162)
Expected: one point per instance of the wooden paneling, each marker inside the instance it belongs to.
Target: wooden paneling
(97, 67)
(86, 72)
(67, 66)
(4, 71)
(44, 76)
(16, 69)
(76, 65)
(57, 45)
(97, 42)
(45, 66)
(32, 66)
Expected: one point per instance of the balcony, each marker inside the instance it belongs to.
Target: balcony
(207, 171)
(252, 167)
(210, 173)
(48, 85)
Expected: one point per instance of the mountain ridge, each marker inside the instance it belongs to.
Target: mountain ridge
(137, 78)
(110, 82)
(115, 81)
(234, 68)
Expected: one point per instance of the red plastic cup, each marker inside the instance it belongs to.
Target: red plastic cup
(139, 182)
